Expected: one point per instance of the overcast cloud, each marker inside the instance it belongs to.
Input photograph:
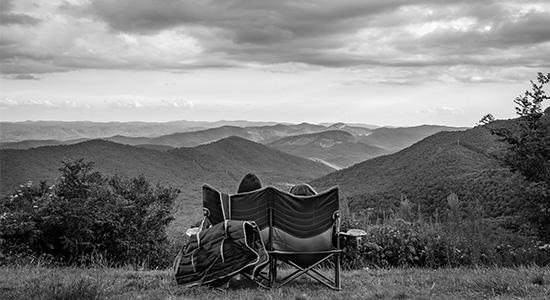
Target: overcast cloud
(398, 42)
(182, 35)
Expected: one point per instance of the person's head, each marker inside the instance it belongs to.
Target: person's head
(303, 189)
(250, 182)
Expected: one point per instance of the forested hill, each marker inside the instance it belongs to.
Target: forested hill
(222, 164)
(231, 158)
(462, 162)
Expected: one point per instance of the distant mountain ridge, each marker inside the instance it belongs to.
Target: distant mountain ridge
(263, 134)
(186, 137)
(28, 144)
(64, 131)
(397, 138)
(368, 126)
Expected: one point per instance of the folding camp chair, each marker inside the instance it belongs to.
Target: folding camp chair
(216, 210)
(301, 231)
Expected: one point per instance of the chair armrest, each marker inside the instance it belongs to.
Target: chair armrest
(192, 231)
(354, 233)
(355, 236)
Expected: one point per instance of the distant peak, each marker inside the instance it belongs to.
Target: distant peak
(338, 125)
(232, 140)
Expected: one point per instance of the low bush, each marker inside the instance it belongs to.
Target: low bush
(86, 218)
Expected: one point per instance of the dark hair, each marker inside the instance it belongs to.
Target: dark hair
(250, 182)
(303, 189)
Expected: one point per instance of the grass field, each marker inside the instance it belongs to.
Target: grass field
(39, 282)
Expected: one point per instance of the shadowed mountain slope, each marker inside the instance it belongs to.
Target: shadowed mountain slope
(463, 162)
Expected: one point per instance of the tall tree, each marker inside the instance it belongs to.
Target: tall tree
(528, 151)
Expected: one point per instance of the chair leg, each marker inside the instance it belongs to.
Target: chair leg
(311, 272)
(272, 269)
(337, 267)
(256, 280)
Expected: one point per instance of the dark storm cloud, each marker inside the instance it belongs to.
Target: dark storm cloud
(311, 31)
(265, 24)
(298, 17)
(533, 28)
(17, 57)
(149, 16)
(8, 17)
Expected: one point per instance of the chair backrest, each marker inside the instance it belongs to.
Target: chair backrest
(304, 223)
(254, 205)
(288, 222)
(215, 204)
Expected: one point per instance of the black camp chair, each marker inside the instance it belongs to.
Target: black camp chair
(301, 231)
(216, 210)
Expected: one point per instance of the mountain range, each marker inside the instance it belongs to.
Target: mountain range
(262, 134)
(343, 145)
(65, 131)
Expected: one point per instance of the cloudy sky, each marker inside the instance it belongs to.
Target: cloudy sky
(391, 62)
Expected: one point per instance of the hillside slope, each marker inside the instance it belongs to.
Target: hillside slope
(272, 166)
(335, 147)
(28, 144)
(462, 162)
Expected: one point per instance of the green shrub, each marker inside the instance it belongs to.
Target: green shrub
(86, 217)
(397, 243)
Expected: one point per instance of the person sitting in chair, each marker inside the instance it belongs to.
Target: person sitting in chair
(249, 183)
(303, 189)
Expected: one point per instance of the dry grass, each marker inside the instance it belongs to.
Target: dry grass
(39, 282)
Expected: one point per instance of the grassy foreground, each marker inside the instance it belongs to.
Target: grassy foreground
(39, 282)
